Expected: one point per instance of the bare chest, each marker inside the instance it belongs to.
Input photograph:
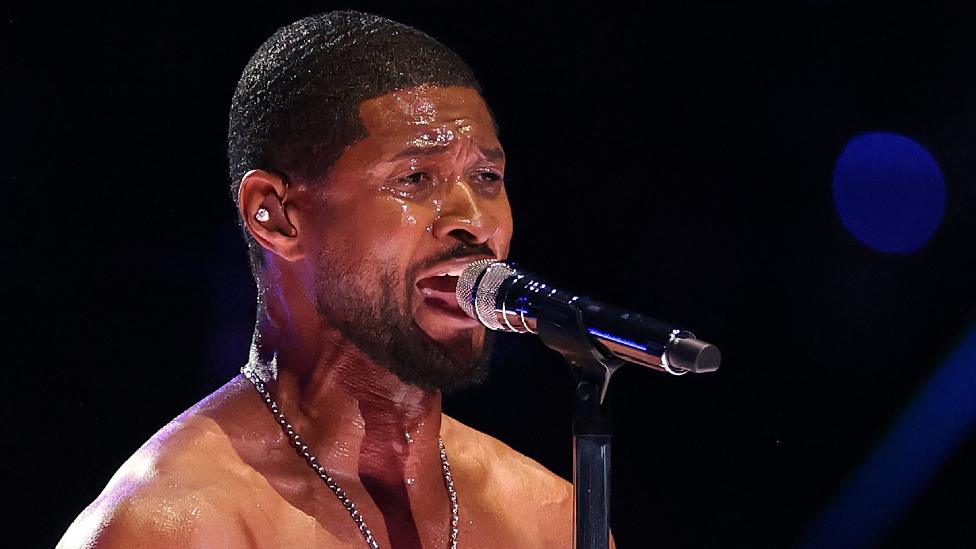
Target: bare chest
(320, 521)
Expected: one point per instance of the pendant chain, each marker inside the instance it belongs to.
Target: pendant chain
(299, 444)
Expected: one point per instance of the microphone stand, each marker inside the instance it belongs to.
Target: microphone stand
(562, 329)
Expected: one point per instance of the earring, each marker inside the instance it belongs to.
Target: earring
(262, 215)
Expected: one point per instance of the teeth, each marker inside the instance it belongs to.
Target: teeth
(457, 271)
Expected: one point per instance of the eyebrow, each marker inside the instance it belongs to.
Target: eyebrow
(411, 152)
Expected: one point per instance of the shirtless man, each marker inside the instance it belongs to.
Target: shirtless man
(365, 165)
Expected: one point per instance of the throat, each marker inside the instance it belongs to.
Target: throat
(382, 472)
(394, 447)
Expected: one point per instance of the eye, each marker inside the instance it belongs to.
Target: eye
(415, 178)
(488, 177)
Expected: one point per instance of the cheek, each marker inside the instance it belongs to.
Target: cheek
(415, 216)
(397, 215)
(411, 215)
(391, 228)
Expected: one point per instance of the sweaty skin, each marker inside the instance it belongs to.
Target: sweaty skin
(428, 176)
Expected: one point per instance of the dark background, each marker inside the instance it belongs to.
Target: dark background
(674, 159)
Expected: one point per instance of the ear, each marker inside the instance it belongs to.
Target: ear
(278, 233)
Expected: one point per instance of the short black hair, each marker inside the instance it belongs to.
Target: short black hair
(296, 106)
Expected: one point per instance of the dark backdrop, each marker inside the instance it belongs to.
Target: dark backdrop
(674, 159)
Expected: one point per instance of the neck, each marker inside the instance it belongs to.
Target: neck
(358, 418)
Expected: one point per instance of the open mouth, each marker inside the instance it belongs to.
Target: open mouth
(439, 293)
(440, 284)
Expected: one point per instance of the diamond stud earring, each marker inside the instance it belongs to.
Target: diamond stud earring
(262, 215)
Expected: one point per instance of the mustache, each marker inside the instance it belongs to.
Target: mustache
(458, 251)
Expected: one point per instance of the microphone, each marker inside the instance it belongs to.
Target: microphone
(507, 299)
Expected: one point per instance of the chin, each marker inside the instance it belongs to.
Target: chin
(447, 365)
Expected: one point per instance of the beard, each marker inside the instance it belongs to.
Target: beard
(380, 325)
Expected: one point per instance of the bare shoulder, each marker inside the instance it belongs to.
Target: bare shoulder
(512, 486)
(180, 489)
(518, 489)
(486, 458)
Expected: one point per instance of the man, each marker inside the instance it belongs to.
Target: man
(367, 173)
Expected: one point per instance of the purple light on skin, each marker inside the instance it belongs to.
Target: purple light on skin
(889, 192)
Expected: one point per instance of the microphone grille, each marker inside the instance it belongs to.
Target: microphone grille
(477, 290)
(486, 294)
(466, 285)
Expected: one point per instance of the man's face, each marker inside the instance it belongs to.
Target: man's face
(421, 195)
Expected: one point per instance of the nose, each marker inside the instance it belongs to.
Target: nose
(464, 216)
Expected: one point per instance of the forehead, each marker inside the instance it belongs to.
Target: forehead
(428, 115)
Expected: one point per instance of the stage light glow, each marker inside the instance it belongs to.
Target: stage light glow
(889, 192)
(924, 437)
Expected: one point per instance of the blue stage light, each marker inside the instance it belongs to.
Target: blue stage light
(889, 192)
(924, 437)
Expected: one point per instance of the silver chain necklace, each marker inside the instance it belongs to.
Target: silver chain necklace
(313, 462)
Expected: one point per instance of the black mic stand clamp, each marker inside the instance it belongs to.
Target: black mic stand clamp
(562, 330)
